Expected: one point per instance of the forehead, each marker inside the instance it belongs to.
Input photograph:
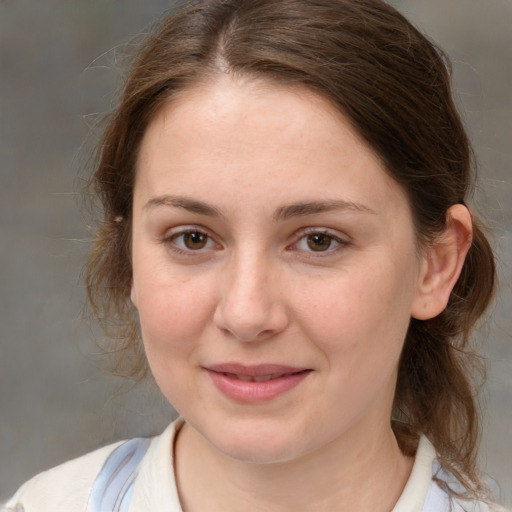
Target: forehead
(245, 109)
(277, 139)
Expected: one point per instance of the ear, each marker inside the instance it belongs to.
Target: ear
(442, 264)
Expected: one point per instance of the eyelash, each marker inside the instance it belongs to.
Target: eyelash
(329, 251)
(170, 241)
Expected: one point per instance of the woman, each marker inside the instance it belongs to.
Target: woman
(284, 187)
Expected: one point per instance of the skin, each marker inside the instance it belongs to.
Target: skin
(258, 288)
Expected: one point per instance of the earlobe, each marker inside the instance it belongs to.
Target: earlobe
(442, 264)
(133, 295)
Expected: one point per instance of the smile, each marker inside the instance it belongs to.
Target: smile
(258, 378)
(255, 384)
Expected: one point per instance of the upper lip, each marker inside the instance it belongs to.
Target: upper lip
(259, 370)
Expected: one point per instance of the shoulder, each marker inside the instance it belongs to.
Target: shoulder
(423, 493)
(442, 495)
(438, 499)
(63, 488)
(106, 479)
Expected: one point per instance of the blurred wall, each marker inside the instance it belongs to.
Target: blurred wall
(58, 71)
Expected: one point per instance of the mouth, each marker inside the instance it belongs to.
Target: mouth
(250, 384)
(259, 378)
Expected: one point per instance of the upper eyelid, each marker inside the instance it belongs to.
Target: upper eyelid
(299, 233)
(297, 236)
(337, 235)
(186, 228)
(340, 239)
(172, 233)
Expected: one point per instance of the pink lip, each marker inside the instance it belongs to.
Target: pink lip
(226, 377)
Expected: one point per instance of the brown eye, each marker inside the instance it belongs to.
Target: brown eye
(194, 240)
(319, 242)
(190, 242)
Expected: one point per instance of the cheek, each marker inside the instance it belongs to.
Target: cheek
(173, 311)
(173, 314)
(359, 321)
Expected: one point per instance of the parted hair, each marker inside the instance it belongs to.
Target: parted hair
(394, 86)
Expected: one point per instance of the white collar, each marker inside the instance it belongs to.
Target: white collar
(155, 487)
(415, 490)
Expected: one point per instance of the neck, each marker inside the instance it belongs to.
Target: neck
(340, 477)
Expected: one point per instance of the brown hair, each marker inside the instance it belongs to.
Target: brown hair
(393, 85)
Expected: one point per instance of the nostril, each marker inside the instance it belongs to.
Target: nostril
(247, 335)
(250, 317)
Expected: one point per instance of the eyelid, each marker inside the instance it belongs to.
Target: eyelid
(340, 239)
(172, 234)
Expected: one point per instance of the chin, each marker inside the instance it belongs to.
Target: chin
(258, 445)
(259, 453)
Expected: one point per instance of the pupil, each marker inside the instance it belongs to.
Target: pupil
(319, 242)
(195, 240)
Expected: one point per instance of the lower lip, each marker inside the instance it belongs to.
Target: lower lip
(253, 392)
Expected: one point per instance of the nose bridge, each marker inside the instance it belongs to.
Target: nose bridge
(250, 307)
(250, 272)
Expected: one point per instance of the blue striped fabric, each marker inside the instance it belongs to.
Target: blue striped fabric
(113, 488)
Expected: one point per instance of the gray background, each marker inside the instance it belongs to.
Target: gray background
(58, 71)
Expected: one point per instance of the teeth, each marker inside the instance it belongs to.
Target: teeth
(243, 377)
(258, 378)
(263, 378)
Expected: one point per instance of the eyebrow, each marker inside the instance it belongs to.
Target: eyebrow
(282, 213)
(191, 205)
(314, 207)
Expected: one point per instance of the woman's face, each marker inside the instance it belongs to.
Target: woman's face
(275, 270)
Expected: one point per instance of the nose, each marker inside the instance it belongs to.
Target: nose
(251, 306)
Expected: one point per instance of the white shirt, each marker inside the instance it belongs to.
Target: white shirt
(138, 476)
